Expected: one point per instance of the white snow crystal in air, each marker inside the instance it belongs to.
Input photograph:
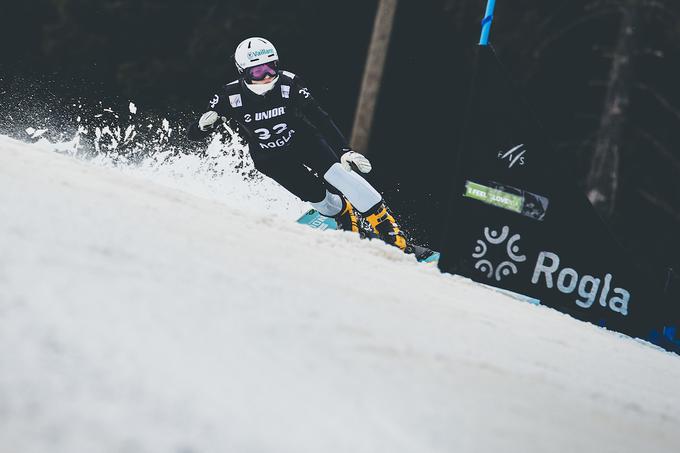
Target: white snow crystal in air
(129, 133)
(35, 133)
(133, 108)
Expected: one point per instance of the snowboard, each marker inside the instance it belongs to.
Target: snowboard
(314, 219)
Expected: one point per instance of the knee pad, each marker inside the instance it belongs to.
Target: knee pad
(329, 206)
(355, 188)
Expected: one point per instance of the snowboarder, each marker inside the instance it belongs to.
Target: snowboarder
(288, 134)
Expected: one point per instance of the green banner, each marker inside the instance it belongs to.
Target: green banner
(494, 197)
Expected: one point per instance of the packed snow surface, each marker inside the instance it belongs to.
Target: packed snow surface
(140, 317)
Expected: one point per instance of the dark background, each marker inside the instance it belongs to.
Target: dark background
(57, 56)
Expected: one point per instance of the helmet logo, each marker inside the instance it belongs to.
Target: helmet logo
(258, 53)
(214, 101)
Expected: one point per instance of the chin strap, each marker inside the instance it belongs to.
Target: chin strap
(262, 88)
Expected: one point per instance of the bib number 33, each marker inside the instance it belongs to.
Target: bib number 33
(265, 134)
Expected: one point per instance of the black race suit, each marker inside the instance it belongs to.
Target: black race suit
(285, 129)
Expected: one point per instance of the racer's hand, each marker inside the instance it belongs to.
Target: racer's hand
(360, 162)
(208, 121)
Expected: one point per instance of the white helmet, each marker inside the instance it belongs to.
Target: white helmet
(256, 58)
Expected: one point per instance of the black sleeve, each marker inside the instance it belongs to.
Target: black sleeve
(219, 104)
(318, 117)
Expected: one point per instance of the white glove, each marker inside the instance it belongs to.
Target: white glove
(208, 120)
(351, 157)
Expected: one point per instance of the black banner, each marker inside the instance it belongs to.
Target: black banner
(518, 222)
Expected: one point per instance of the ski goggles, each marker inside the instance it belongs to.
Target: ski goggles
(260, 72)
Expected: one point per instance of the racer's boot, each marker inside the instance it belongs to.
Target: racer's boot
(347, 218)
(384, 225)
(422, 254)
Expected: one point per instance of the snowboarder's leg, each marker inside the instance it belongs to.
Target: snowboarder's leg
(368, 202)
(293, 176)
(383, 223)
(320, 157)
(340, 209)
(298, 180)
(359, 192)
(355, 188)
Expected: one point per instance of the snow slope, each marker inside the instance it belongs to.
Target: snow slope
(135, 317)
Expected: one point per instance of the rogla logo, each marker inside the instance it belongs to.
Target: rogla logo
(547, 272)
(568, 281)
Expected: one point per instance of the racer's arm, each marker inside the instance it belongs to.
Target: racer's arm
(323, 122)
(318, 117)
(217, 111)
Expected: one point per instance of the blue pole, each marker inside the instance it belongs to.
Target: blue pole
(486, 23)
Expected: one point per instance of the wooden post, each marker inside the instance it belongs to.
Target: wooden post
(373, 72)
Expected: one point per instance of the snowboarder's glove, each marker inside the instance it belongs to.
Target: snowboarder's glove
(208, 121)
(360, 162)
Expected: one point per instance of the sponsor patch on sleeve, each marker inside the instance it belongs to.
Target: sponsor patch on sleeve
(235, 100)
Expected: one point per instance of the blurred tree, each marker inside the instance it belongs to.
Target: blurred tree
(602, 182)
(373, 74)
